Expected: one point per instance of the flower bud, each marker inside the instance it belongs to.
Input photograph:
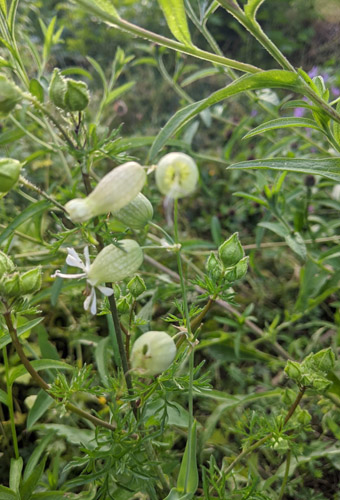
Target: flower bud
(176, 175)
(30, 281)
(231, 251)
(214, 267)
(152, 353)
(9, 96)
(76, 96)
(57, 89)
(293, 370)
(324, 360)
(137, 213)
(9, 173)
(136, 286)
(242, 268)
(6, 264)
(113, 191)
(114, 264)
(123, 306)
(10, 285)
(304, 417)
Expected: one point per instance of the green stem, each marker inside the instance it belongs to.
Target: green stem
(285, 479)
(133, 29)
(41, 382)
(10, 404)
(268, 436)
(190, 337)
(37, 189)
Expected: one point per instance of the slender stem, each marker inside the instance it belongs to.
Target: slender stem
(41, 382)
(190, 336)
(37, 189)
(10, 404)
(197, 321)
(133, 29)
(250, 324)
(285, 478)
(268, 436)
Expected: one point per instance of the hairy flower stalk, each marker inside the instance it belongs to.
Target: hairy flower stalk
(112, 264)
(113, 192)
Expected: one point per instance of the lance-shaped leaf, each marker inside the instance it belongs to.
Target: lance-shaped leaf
(326, 167)
(266, 79)
(286, 122)
(176, 19)
(187, 481)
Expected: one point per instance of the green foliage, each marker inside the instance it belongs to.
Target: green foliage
(240, 276)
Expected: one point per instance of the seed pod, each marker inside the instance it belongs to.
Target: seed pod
(114, 191)
(136, 286)
(152, 353)
(30, 281)
(57, 89)
(242, 268)
(231, 251)
(76, 96)
(214, 267)
(10, 286)
(114, 264)
(137, 213)
(6, 264)
(9, 173)
(9, 96)
(176, 175)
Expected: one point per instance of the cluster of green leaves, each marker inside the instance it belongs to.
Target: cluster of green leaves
(247, 438)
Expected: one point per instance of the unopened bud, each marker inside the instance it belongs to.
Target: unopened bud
(137, 213)
(123, 305)
(10, 286)
(324, 360)
(115, 264)
(136, 286)
(6, 264)
(152, 353)
(9, 96)
(76, 96)
(214, 267)
(176, 175)
(231, 251)
(293, 370)
(242, 268)
(30, 281)
(57, 89)
(9, 173)
(114, 191)
(304, 417)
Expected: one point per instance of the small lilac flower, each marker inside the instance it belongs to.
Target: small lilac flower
(299, 112)
(335, 91)
(74, 260)
(313, 72)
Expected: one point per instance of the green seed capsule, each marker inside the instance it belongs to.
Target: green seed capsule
(9, 173)
(176, 175)
(152, 353)
(115, 264)
(113, 192)
(76, 96)
(231, 251)
(30, 281)
(137, 213)
(9, 96)
(57, 89)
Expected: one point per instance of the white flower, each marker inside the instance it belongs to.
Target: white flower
(176, 175)
(74, 260)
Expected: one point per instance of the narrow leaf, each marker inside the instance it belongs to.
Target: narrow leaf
(7, 493)
(36, 454)
(37, 90)
(27, 214)
(187, 481)
(38, 364)
(174, 12)
(15, 474)
(3, 7)
(328, 167)
(41, 405)
(265, 79)
(3, 397)
(288, 122)
(5, 338)
(115, 93)
(29, 485)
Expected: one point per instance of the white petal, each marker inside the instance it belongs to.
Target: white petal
(73, 259)
(87, 301)
(87, 258)
(94, 303)
(105, 290)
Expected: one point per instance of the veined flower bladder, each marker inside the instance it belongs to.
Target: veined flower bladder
(115, 190)
(176, 175)
(112, 264)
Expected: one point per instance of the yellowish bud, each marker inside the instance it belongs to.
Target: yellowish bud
(113, 192)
